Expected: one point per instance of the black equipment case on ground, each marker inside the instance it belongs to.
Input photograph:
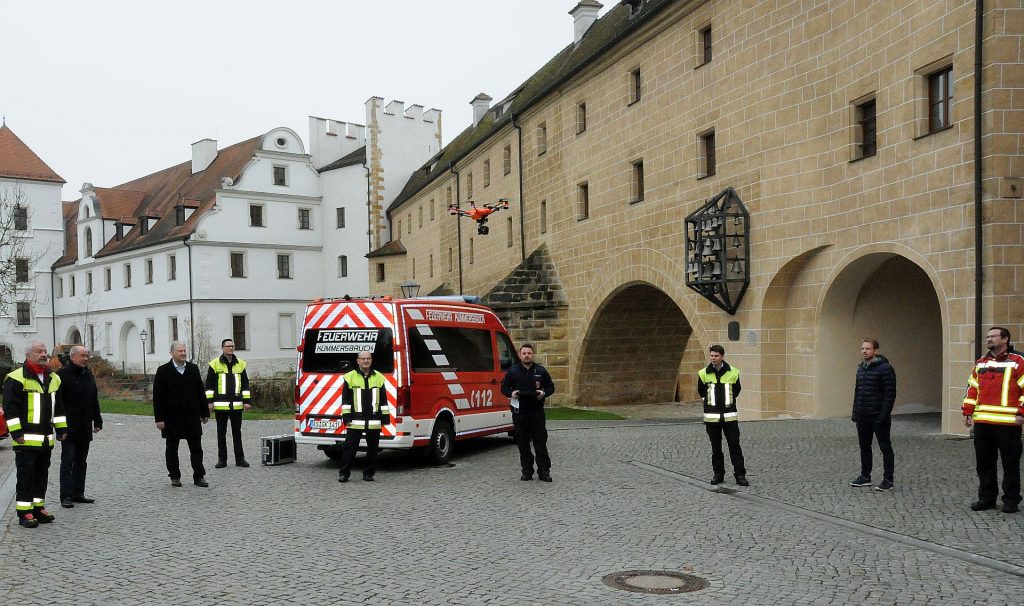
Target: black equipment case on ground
(278, 450)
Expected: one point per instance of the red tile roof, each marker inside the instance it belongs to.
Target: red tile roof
(156, 195)
(18, 161)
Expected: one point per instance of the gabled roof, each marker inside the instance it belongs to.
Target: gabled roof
(156, 195)
(356, 157)
(602, 36)
(18, 161)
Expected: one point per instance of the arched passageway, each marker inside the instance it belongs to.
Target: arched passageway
(131, 347)
(74, 336)
(636, 349)
(886, 297)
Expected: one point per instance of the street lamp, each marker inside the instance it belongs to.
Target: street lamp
(145, 382)
(410, 289)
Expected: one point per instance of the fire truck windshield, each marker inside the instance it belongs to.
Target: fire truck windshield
(335, 349)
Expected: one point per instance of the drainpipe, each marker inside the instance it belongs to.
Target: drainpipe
(369, 213)
(191, 309)
(458, 222)
(53, 306)
(522, 209)
(979, 270)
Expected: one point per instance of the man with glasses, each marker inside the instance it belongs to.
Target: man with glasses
(227, 391)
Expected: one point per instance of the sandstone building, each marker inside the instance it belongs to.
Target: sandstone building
(847, 128)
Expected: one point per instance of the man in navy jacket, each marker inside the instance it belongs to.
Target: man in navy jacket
(873, 399)
(528, 384)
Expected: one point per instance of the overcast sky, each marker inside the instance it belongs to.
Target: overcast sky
(108, 91)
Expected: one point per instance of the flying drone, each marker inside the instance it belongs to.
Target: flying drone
(479, 213)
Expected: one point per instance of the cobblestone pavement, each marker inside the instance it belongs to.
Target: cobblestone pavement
(627, 495)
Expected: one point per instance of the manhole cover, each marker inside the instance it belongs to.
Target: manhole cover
(655, 581)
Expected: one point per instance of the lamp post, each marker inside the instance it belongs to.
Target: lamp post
(410, 289)
(145, 382)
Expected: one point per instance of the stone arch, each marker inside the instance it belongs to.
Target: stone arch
(890, 293)
(787, 350)
(639, 290)
(6, 353)
(74, 336)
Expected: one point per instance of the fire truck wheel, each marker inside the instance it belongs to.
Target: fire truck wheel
(334, 454)
(442, 439)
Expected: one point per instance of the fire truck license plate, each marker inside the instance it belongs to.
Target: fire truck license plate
(324, 424)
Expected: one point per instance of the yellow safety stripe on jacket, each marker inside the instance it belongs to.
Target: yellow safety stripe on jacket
(1002, 415)
(34, 399)
(36, 439)
(223, 371)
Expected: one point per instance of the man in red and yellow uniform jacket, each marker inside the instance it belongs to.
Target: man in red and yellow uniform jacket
(34, 406)
(995, 406)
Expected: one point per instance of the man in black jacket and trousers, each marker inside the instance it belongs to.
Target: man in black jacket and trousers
(527, 384)
(179, 408)
(873, 399)
(82, 408)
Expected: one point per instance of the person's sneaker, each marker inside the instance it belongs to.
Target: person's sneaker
(367, 478)
(44, 517)
(884, 486)
(201, 482)
(1008, 508)
(82, 499)
(241, 463)
(28, 521)
(66, 503)
(982, 505)
(715, 481)
(860, 482)
(741, 480)
(220, 465)
(176, 482)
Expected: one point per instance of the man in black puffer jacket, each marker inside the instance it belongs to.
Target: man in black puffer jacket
(873, 399)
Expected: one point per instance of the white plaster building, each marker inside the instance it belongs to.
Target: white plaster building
(233, 243)
(26, 181)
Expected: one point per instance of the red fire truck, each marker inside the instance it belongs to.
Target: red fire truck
(443, 359)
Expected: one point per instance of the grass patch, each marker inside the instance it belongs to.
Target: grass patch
(129, 407)
(579, 414)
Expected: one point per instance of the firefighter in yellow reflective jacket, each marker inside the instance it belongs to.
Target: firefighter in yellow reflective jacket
(364, 409)
(227, 392)
(35, 418)
(719, 385)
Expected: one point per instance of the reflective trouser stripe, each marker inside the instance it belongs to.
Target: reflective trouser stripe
(373, 424)
(358, 424)
(710, 417)
(23, 505)
(731, 416)
(227, 406)
(38, 502)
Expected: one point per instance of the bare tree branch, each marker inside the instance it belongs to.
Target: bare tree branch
(18, 262)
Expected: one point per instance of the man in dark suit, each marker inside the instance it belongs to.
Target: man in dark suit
(82, 407)
(179, 408)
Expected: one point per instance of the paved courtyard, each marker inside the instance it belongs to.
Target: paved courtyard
(627, 495)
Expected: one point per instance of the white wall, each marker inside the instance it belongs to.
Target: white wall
(45, 240)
